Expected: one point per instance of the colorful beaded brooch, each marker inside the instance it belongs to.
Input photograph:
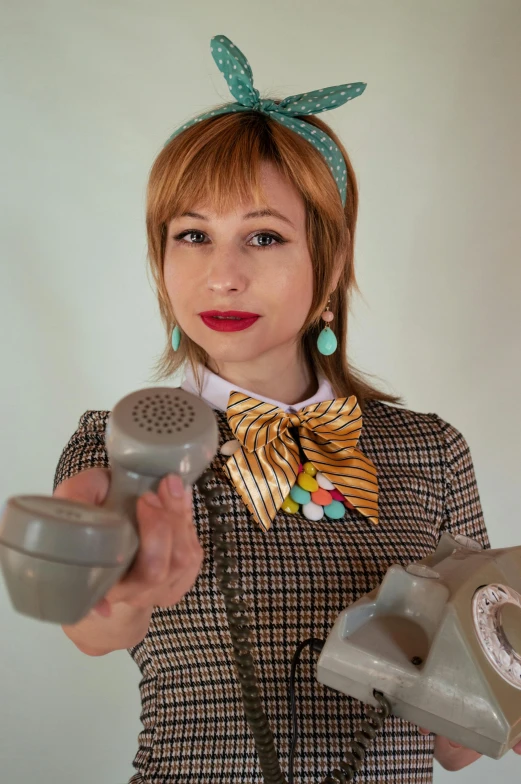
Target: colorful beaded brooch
(312, 490)
(316, 495)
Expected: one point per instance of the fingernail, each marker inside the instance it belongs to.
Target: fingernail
(151, 499)
(175, 485)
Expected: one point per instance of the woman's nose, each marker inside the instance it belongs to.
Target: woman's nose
(225, 271)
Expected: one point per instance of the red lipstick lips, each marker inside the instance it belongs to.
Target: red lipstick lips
(228, 320)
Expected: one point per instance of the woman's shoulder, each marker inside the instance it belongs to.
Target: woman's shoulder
(93, 421)
(385, 416)
(400, 432)
(85, 448)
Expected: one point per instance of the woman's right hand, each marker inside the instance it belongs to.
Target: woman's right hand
(169, 557)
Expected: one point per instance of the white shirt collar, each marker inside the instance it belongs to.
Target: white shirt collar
(216, 391)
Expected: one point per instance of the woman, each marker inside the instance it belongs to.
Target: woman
(246, 212)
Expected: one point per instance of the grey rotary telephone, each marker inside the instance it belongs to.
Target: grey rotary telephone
(441, 639)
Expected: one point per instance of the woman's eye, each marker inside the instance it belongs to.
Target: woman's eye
(183, 234)
(179, 238)
(266, 236)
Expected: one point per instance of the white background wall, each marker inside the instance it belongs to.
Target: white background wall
(89, 93)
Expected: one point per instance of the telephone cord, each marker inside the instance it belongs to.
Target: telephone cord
(225, 554)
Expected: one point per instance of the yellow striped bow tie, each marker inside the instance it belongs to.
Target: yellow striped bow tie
(265, 467)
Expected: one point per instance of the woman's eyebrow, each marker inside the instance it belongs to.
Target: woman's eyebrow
(271, 213)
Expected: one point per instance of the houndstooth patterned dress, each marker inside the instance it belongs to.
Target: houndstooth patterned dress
(297, 578)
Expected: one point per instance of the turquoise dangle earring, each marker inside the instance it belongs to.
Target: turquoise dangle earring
(176, 337)
(326, 341)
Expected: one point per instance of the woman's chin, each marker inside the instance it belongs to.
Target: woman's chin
(227, 355)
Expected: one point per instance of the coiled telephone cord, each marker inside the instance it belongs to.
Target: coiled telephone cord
(225, 553)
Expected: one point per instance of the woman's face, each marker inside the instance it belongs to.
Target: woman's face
(258, 264)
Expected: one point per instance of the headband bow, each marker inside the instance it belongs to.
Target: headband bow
(265, 466)
(239, 78)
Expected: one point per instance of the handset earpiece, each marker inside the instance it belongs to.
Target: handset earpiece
(60, 557)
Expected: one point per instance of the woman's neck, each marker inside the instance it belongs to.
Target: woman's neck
(289, 383)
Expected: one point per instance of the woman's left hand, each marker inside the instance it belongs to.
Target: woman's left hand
(452, 756)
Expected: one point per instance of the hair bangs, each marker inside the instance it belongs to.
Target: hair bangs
(224, 168)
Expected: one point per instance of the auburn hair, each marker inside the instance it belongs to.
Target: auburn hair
(217, 160)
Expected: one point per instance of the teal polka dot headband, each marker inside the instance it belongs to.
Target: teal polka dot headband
(239, 78)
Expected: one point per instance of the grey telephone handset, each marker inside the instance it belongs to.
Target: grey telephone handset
(441, 639)
(60, 557)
